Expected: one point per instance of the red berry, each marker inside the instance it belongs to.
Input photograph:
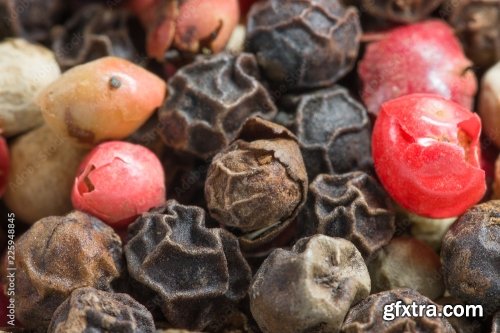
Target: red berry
(419, 58)
(117, 181)
(4, 165)
(426, 153)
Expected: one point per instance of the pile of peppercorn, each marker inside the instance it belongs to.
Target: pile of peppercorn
(275, 166)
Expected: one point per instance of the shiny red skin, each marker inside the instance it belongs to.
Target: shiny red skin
(419, 58)
(117, 181)
(427, 155)
(4, 165)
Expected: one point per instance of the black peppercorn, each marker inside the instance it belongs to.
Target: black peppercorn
(31, 19)
(93, 32)
(471, 257)
(303, 43)
(59, 254)
(191, 272)
(208, 102)
(310, 288)
(258, 184)
(88, 309)
(477, 24)
(401, 11)
(352, 206)
(333, 130)
(370, 315)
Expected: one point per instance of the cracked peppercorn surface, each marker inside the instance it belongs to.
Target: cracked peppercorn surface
(59, 254)
(471, 257)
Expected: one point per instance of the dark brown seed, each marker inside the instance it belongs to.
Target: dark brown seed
(208, 102)
(368, 316)
(258, 184)
(59, 254)
(193, 273)
(88, 309)
(303, 43)
(477, 24)
(310, 288)
(407, 263)
(400, 11)
(333, 130)
(93, 32)
(471, 257)
(352, 206)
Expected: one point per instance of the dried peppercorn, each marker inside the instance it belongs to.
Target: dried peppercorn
(477, 24)
(194, 26)
(90, 309)
(191, 272)
(303, 44)
(332, 128)
(407, 263)
(310, 288)
(370, 315)
(117, 181)
(31, 19)
(352, 206)
(25, 69)
(462, 324)
(59, 254)
(209, 101)
(43, 167)
(106, 99)
(470, 254)
(489, 103)
(400, 11)
(258, 184)
(94, 32)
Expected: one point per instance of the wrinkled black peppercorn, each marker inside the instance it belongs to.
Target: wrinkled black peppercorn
(352, 206)
(258, 184)
(194, 273)
(303, 43)
(368, 315)
(401, 11)
(208, 102)
(477, 24)
(91, 310)
(310, 288)
(93, 32)
(333, 130)
(59, 254)
(31, 19)
(471, 257)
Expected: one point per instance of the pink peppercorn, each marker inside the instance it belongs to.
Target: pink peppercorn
(117, 181)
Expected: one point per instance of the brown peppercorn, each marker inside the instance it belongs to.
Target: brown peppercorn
(477, 24)
(302, 44)
(352, 206)
(42, 173)
(208, 102)
(59, 254)
(258, 184)
(93, 32)
(369, 315)
(191, 272)
(333, 130)
(88, 309)
(407, 263)
(310, 288)
(31, 19)
(471, 257)
(401, 11)
(461, 324)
